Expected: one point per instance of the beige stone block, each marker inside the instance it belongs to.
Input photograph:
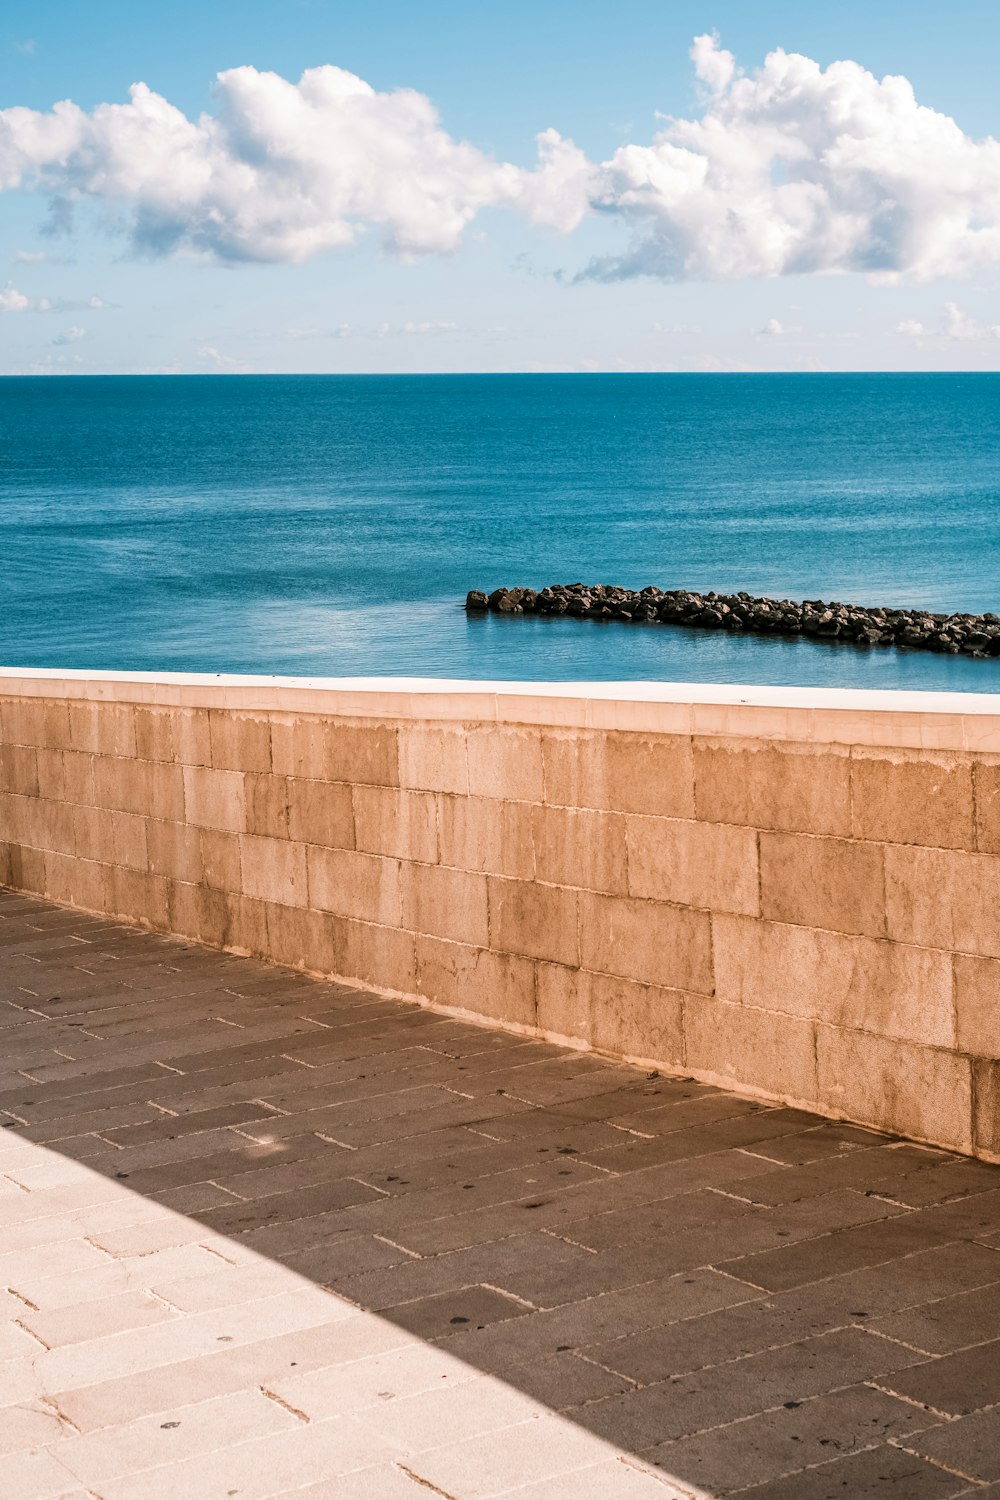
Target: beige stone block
(137, 896)
(19, 769)
(267, 805)
(483, 833)
(363, 886)
(821, 882)
(445, 903)
(94, 834)
(793, 788)
(621, 772)
(49, 773)
(51, 825)
(737, 1046)
(215, 799)
(534, 921)
(433, 760)
(977, 1005)
(505, 762)
(220, 860)
(922, 1092)
(26, 868)
(121, 784)
(240, 742)
(219, 918)
(165, 786)
(862, 983)
(499, 986)
(986, 1109)
(580, 847)
(641, 1022)
(76, 882)
(712, 865)
(102, 728)
(944, 898)
(650, 941)
(334, 750)
(400, 823)
(78, 777)
(174, 850)
(191, 737)
(912, 797)
(382, 956)
(301, 939)
(986, 781)
(23, 721)
(154, 732)
(128, 832)
(20, 818)
(273, 870)
(321, 812)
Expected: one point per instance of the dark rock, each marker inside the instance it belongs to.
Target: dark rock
(475, 601)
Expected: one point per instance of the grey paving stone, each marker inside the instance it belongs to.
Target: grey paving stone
(953, 1383)
(871, 1475)
(970, 1444)
(794, 1437)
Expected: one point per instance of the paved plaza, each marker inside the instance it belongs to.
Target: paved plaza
(266, 1236)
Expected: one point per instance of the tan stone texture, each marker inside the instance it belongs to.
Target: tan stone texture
(649, 941)
(580, 847)
(273, 870)
(364, 886)
(620, 772)
(986, 781)
(239, 742)
(943, 898)
(874, 985)
(986, 1107)
(735, 1042)
(433, 760)
(484, 833)
(821, 882)
(268, 800)
(401, 823)
(215, 799)
(790, 788)
(500, 986)
(321, 812)
(445, 903)
(694, 864)
(535, 921)
(331, 750)
(505, 762)
(977, 1005)
(907, 797)
(924, 1092)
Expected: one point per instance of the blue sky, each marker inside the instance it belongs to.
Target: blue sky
(538, 274)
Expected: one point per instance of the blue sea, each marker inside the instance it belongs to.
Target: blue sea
(331, 525)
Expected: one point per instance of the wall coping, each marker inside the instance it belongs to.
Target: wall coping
(856, 716)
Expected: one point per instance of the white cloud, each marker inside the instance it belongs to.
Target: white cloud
(29, 257)
(224, 363)
(420, 328)
(11, 300)
(70, 336)
(775, 328)
(800, 169)
(791, 169)
(955, 325)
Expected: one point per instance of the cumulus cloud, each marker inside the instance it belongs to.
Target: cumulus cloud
(774, 328)
(280, 172)
(800, 169)
(789, 169)
(954, 325)
(11, 300)
(70, 336)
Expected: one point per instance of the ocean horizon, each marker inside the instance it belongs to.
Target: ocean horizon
(332, 524)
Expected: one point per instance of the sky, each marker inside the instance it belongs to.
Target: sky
(314, 185)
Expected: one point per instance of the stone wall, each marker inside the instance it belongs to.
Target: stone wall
(782, 892)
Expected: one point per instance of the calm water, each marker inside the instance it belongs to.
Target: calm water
(332, 524)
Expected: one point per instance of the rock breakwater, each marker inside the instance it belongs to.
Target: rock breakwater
(819, 619)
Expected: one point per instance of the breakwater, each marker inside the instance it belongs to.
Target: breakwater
(821, 620)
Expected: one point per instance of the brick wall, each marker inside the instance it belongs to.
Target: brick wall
(779, 904)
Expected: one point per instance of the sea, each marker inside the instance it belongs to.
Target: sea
(331, 525)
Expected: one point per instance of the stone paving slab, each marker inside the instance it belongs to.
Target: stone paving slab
(265, 1236)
